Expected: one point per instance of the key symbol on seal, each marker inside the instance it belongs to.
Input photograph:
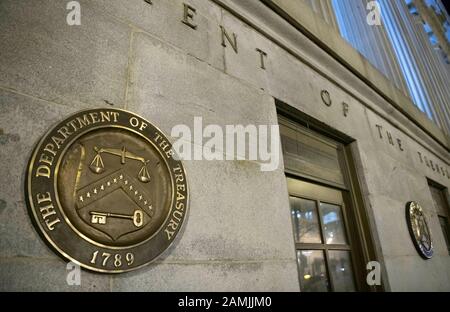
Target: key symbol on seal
(101, 217)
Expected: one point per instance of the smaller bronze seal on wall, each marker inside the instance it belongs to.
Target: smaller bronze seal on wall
(106, 190)
(419, 230)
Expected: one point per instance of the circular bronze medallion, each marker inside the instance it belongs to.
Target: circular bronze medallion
(106, 190)
(419, 230)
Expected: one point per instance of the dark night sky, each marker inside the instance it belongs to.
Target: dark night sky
(447, 5)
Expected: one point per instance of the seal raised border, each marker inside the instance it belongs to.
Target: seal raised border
(48, 215)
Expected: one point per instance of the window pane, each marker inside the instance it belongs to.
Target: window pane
(439, 200)
(446, 230)
(341, 270)
(333, 224)
(305, 220)
(312, 270)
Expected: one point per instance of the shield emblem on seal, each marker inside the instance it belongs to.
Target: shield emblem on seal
(117, 202)
(115, 184)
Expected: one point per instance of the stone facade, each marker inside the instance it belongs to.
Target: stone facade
(238, 235)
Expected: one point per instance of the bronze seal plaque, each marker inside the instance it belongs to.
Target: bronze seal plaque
(419, 230)
(106, 190)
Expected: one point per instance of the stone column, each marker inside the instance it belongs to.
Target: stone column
(435, 21)
(426, 74)
(370, 40)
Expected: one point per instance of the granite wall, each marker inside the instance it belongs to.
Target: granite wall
(238, 235)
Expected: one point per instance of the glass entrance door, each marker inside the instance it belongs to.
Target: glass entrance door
(324, 252)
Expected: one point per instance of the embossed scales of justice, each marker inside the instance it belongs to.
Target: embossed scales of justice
(106, 190)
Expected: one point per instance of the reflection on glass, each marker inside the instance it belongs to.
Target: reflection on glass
(445, 230)
(305, 220)
(312, 270)
(333, 225)
(341, 270)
